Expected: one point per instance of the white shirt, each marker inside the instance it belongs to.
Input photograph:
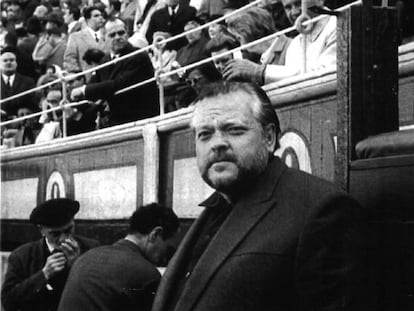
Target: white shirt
(95, 33)
(320, 52)
(8, 79)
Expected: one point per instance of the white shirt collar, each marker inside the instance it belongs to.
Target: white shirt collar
(50, 247)
(98, 33)
(170, 9)
(6, 78)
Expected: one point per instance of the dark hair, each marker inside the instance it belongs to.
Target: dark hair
(147, 217)
(93, 55)
(10, 39)
(252, 24)
(264, 112)
(221, 41)
(116, 5)
(73, 10)
(87, 12)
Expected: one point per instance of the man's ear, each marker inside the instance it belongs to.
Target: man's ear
(155, 233)
(270, 136)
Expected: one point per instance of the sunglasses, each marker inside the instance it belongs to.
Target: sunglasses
(119, 33)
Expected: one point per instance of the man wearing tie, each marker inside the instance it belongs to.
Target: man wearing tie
(12, 82)
(89, 37)
(171, 19)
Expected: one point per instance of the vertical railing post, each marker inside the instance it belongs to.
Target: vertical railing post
(158, 71)
(63, 103)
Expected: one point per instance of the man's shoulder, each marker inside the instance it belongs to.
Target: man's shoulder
(27, 248)
(24, 79)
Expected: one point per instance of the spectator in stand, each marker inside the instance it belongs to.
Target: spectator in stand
(216, 28)
(320, 50)
(128, 9)
(141, 22)
(51, 121)
(275, 8)
(253, 24)
(26, 131)
(123, 276)
(41, 12)
(210, 8)
(83, 118)
(218, 45)
(27, 41)
(171, 20)
(91, 36)
(37, 271)
(113, 10)
(25, 64)
(12, 82)
(135, 104)
(51, 47)
(14, 16)
(71, 16)
(195, 49)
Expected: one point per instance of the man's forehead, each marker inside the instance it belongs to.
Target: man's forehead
(8, 55)
(115, 27)
(233, 107)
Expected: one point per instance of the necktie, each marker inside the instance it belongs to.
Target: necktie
(8, 82)
(96, 37)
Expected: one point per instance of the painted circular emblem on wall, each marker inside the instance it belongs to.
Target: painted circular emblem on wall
(294, 151)
(55, 187)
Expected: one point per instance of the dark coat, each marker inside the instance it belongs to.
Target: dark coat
(111, 278)
(21, 83)
(138, 103)
(290, 243)
(161, 21)
(24, 286)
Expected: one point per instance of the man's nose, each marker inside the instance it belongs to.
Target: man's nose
(219, 142)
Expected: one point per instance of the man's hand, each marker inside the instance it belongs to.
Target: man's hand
(71, 250)
(78, 93)
(54, 264)
(244, 70)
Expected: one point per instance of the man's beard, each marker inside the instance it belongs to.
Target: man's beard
(248, 171)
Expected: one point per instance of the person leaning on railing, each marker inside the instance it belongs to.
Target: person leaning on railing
(320, 47)
(133, 105)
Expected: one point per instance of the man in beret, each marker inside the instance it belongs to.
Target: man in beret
(37, 271)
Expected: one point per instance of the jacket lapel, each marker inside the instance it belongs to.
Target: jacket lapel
(249, 210)
(175, 267)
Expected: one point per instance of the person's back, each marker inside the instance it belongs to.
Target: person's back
(97, 283)
(123, 276)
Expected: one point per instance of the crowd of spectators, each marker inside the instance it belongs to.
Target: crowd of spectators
(44, 40)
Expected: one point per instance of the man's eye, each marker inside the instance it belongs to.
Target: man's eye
(235, 130)
(203, 135)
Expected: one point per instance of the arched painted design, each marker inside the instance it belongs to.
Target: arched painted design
(294, 151)
(55, 187)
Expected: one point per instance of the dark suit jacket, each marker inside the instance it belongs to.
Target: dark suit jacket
(113, 277)
(161, 21)
(21, 83)
(24, 286)
(138, 103)
(291, 242)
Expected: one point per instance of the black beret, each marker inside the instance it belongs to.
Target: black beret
(54, 213)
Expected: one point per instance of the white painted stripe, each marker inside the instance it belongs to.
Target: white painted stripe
(18, 198)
